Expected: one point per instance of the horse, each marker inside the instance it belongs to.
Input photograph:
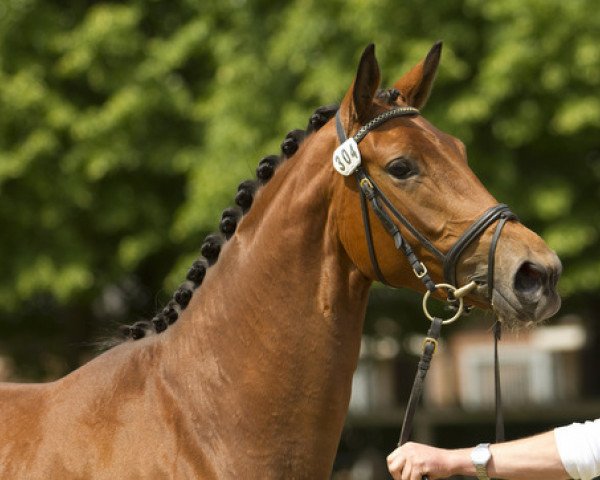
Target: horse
(250, 377)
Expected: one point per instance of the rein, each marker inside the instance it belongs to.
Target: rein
(347, 161)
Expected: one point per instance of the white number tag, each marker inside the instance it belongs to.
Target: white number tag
(346, 158)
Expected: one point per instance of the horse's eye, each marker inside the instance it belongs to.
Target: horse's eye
(402, 168)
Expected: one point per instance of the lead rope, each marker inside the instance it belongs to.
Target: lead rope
(428, 350)
(497, 329)
(429, 347)
(497, 390)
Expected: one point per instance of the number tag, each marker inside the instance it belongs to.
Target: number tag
(346, 158)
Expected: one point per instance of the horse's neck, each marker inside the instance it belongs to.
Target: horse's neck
(273, 334)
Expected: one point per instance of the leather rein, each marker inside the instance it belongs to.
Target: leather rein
(347, 161)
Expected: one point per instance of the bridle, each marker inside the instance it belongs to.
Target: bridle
(347, 161)
(371, 194)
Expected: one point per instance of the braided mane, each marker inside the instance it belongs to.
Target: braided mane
(211, 247)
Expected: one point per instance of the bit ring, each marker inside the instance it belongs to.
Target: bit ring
(450, 288)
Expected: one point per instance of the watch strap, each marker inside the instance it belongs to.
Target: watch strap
(481, 472)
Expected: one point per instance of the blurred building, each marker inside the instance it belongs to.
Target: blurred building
(543, 378)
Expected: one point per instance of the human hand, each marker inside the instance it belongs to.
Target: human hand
(412, 461)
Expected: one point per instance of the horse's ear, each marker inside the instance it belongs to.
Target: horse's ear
(416, 85)
(358, 101)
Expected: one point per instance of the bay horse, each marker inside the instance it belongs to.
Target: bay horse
(253, 380)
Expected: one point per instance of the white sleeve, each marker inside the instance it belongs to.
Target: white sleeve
(579, 449)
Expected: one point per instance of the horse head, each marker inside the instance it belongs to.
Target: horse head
(427, 189)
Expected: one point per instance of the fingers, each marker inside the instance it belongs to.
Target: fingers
(395, 462)
(403, 467)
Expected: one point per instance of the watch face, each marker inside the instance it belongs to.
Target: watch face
(481, 455)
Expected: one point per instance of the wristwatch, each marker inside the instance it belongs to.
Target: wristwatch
(480, 456)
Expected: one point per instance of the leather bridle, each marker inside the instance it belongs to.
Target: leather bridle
(371, 194)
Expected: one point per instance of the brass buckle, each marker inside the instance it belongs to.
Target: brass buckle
(423, 272)
(365, 182)
(432, 341)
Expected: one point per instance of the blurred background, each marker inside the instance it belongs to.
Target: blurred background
(126, 126)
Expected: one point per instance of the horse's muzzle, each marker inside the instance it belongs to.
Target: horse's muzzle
(534, 286)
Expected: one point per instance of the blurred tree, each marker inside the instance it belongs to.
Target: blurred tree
(124, 128)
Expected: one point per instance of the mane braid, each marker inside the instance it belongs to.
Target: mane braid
(389, 96)
(211, 247)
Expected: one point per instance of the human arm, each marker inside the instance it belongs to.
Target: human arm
(531, 458)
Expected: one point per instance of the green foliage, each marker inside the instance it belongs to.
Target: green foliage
(124, 127)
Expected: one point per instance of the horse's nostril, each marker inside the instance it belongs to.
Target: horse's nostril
(530, 278)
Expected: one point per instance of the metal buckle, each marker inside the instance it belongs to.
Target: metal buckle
(423, 272)
(432, 341)
(365, 182)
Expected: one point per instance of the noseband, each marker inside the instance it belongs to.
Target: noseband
(346, 161)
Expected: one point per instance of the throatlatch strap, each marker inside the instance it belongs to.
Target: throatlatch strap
(364, 208)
